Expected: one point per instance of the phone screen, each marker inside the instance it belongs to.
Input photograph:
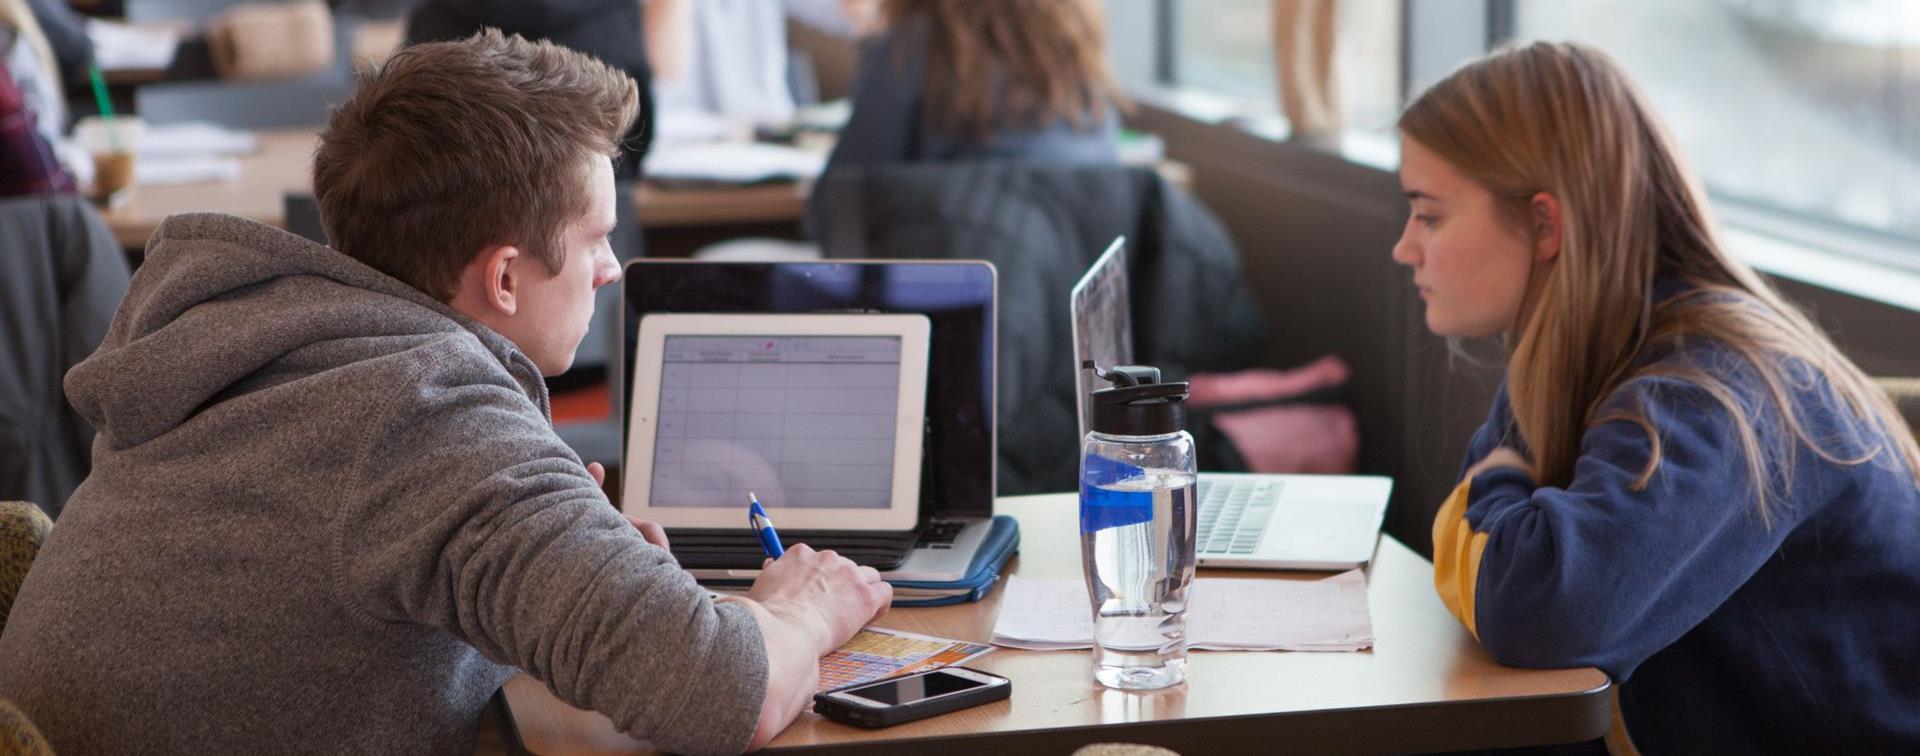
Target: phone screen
(907, 690)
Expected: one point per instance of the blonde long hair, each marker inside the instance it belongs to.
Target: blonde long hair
(1566, 120)
(1020, 63)
(19, 15)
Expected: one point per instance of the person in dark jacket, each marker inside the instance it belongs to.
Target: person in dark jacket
(1683, 482)
(66, 32)
(606, 29)
(61, 277)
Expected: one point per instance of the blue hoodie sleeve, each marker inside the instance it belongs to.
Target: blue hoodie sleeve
(1601, 574)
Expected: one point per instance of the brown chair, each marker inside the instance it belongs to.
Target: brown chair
(18, 736)
(23, 527)
(1122, 749)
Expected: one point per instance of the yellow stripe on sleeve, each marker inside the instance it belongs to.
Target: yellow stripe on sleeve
(1456, 556)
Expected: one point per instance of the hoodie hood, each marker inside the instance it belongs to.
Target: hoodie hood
(223, 306)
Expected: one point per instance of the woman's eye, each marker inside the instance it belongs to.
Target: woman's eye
(1427, 220)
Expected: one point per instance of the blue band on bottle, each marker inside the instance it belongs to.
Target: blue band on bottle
(1102, 508)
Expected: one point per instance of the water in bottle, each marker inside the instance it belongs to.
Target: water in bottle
(1139, 576)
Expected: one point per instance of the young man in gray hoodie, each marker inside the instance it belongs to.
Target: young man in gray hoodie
(328, 511)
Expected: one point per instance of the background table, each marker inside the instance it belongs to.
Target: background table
(284, 163)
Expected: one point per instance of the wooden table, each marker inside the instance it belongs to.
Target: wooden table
(1425, 686)
(784, 201)
(284, 163)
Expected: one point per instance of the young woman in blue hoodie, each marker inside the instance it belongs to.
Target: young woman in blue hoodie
(1682, 481)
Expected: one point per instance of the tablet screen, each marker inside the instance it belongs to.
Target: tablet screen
(823, 417)
(809, 416)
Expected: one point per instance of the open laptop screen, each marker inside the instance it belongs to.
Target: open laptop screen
(957, 297)
(1102, 316)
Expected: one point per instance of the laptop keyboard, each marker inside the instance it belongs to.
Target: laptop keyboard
(1233, 514)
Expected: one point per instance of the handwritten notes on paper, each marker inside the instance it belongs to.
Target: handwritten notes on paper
(1226, 614)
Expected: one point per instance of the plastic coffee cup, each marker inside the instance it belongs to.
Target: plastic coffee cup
(114, 143)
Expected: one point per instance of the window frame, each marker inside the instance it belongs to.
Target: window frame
(1436, 37)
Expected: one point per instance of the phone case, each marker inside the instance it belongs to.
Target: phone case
(860, 716)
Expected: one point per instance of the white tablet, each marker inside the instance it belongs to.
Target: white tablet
(821, 416)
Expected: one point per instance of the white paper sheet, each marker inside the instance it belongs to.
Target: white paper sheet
(196, 138)
(1225, 614)
(118, 46)
(732, 162)
(184, 170)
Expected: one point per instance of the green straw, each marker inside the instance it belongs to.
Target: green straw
(106, 107)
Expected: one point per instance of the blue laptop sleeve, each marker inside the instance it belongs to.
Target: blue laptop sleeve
(1003, 540)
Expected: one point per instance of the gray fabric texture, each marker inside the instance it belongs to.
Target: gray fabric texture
(328, 513)
(61, 276)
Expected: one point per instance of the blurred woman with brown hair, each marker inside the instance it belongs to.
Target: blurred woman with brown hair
(1682, 482)
(982, 79)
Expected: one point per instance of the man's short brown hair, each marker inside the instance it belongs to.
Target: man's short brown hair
(453, 147)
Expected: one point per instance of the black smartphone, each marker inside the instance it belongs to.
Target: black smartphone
(888, 702)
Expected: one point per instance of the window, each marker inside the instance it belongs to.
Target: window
(1802, 107)
(1227, 47)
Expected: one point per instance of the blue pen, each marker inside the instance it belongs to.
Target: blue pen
(763, 525)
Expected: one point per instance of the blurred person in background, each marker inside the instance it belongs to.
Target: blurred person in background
(983, 79)
(722, 64)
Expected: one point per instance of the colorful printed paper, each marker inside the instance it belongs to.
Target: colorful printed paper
(875, 653)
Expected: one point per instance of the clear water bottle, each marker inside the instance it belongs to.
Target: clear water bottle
(1137, 514)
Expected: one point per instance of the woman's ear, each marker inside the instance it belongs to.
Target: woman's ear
(1549, 226)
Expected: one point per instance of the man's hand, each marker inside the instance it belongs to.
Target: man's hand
(649, 530)
(1501, 457)
(822, 594)
(807, 603)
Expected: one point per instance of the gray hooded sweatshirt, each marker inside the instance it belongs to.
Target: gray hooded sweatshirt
(328, 513)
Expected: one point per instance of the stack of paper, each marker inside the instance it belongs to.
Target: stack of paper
(732, 163)
(1224, 614)
(184, 170)
(190, 153)
(174, 153)
(119, 47)
(195, 139)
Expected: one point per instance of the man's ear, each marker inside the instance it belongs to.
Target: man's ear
(501, 271)
(1549, 226)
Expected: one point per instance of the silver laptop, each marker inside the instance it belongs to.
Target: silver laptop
(1288, 522)
(962, 298)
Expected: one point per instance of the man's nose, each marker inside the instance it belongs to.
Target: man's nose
(608, 271)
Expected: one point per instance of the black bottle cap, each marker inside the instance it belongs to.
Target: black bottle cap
(1137, 404)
